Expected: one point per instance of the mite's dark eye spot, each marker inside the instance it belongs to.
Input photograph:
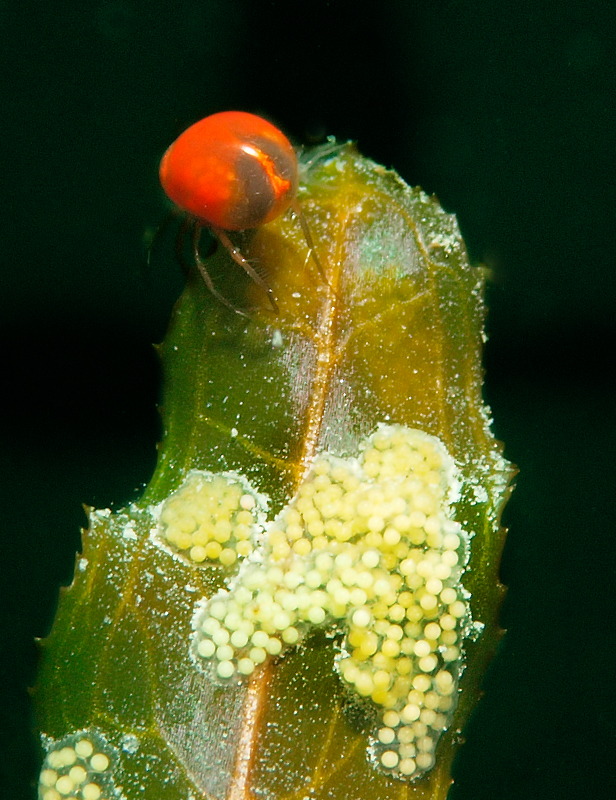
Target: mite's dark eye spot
(286, 167)
(255, 193)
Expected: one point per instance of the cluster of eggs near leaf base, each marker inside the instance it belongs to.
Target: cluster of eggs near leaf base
(211, 518)
(368, 548)
(80, 767)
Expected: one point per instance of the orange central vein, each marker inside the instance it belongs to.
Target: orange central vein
(326, 360)
(254, 708)
(257, 693)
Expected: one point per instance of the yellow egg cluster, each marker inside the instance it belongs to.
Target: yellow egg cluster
(367, 547)
(211, 518)
(78, 768)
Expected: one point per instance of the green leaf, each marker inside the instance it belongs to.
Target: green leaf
(261, 404)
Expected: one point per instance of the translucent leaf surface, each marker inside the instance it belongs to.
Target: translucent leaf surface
(392, 339)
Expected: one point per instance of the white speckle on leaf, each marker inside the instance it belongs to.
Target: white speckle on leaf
(129, 533)
(130, 743)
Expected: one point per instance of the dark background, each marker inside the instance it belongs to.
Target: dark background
(505, 110)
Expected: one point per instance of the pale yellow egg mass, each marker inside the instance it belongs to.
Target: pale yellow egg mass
(368, 548)
(211, 519)
(79, 767)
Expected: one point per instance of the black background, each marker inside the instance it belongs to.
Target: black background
(505, 110)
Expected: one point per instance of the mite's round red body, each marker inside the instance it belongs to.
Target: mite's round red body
(231, 170)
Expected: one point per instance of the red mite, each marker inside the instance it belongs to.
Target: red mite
(229, 172)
